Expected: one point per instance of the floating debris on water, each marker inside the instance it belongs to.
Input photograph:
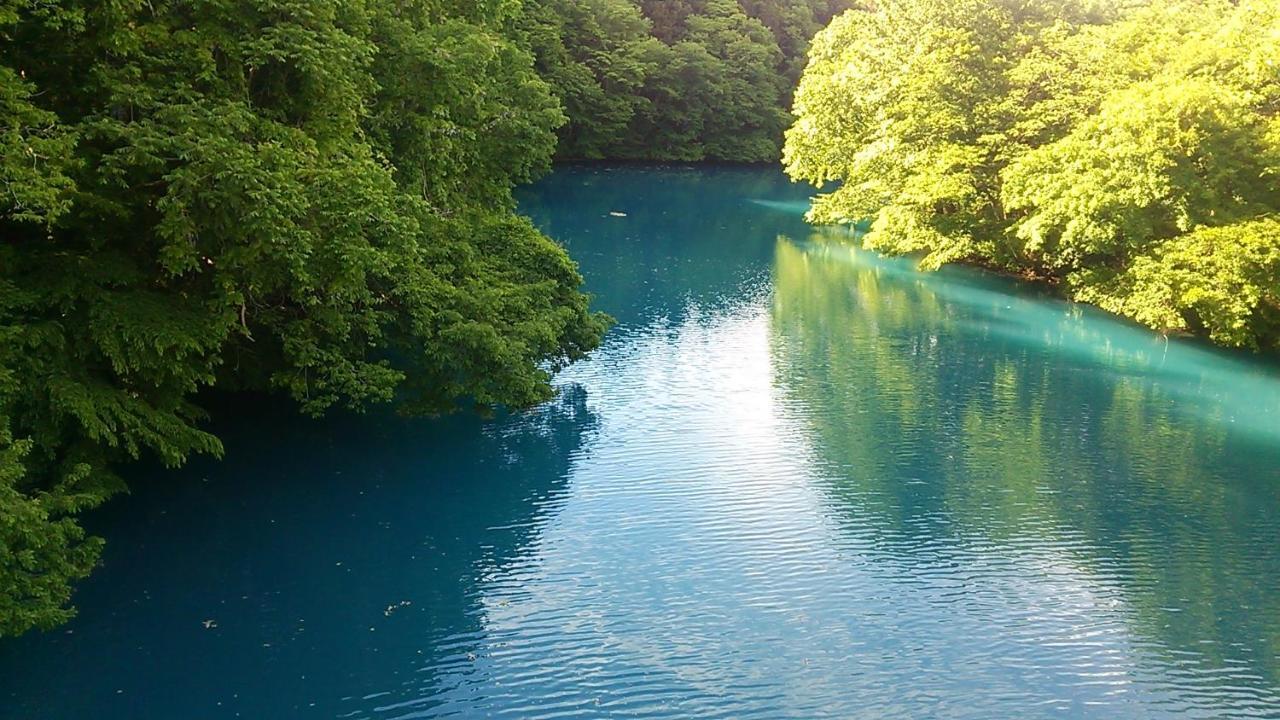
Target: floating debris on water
(392, 608)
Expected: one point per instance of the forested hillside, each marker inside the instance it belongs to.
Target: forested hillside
(1130, 151)
(674, 79)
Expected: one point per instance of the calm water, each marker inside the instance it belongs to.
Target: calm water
(797, 482)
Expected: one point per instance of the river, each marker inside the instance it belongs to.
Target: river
(797, 481)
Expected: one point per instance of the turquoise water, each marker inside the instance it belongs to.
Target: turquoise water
(798, 481)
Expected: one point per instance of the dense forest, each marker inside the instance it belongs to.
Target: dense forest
(1128, 151)
(674, 79)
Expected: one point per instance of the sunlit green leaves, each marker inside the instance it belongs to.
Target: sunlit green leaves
(1222, 281)
(1101, 143)
(1159, 158)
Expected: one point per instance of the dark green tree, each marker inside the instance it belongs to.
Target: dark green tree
(685, 80)
(745, 118)
(717, 91)
(306, 196)
(596, 55)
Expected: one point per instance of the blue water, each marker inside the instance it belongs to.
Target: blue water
(798, 481)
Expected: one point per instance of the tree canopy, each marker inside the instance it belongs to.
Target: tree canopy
(304, 196)
(1128, 150)
(674, 79)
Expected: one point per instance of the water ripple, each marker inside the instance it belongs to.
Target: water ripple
(798, 481)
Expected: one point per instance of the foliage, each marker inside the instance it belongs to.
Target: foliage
(310, 196)
(676, 79)
(42, 549)
(596, 55)
(1128, 149)
(1220, 281)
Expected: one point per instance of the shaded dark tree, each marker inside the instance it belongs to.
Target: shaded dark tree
(310, 197)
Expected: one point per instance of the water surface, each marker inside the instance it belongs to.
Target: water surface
(798, 481)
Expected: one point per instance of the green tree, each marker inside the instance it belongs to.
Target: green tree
(744, 115)
(670, 124)
(1219, 281)
(1096, 143)
(904, 105)
(670, 17)
(596, 55)
(308, 196)
(715, 93)
(793, 25)
(1157, 159)
(672, 80)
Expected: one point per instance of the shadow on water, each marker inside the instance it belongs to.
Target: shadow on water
(964, 422)
(333, 560)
